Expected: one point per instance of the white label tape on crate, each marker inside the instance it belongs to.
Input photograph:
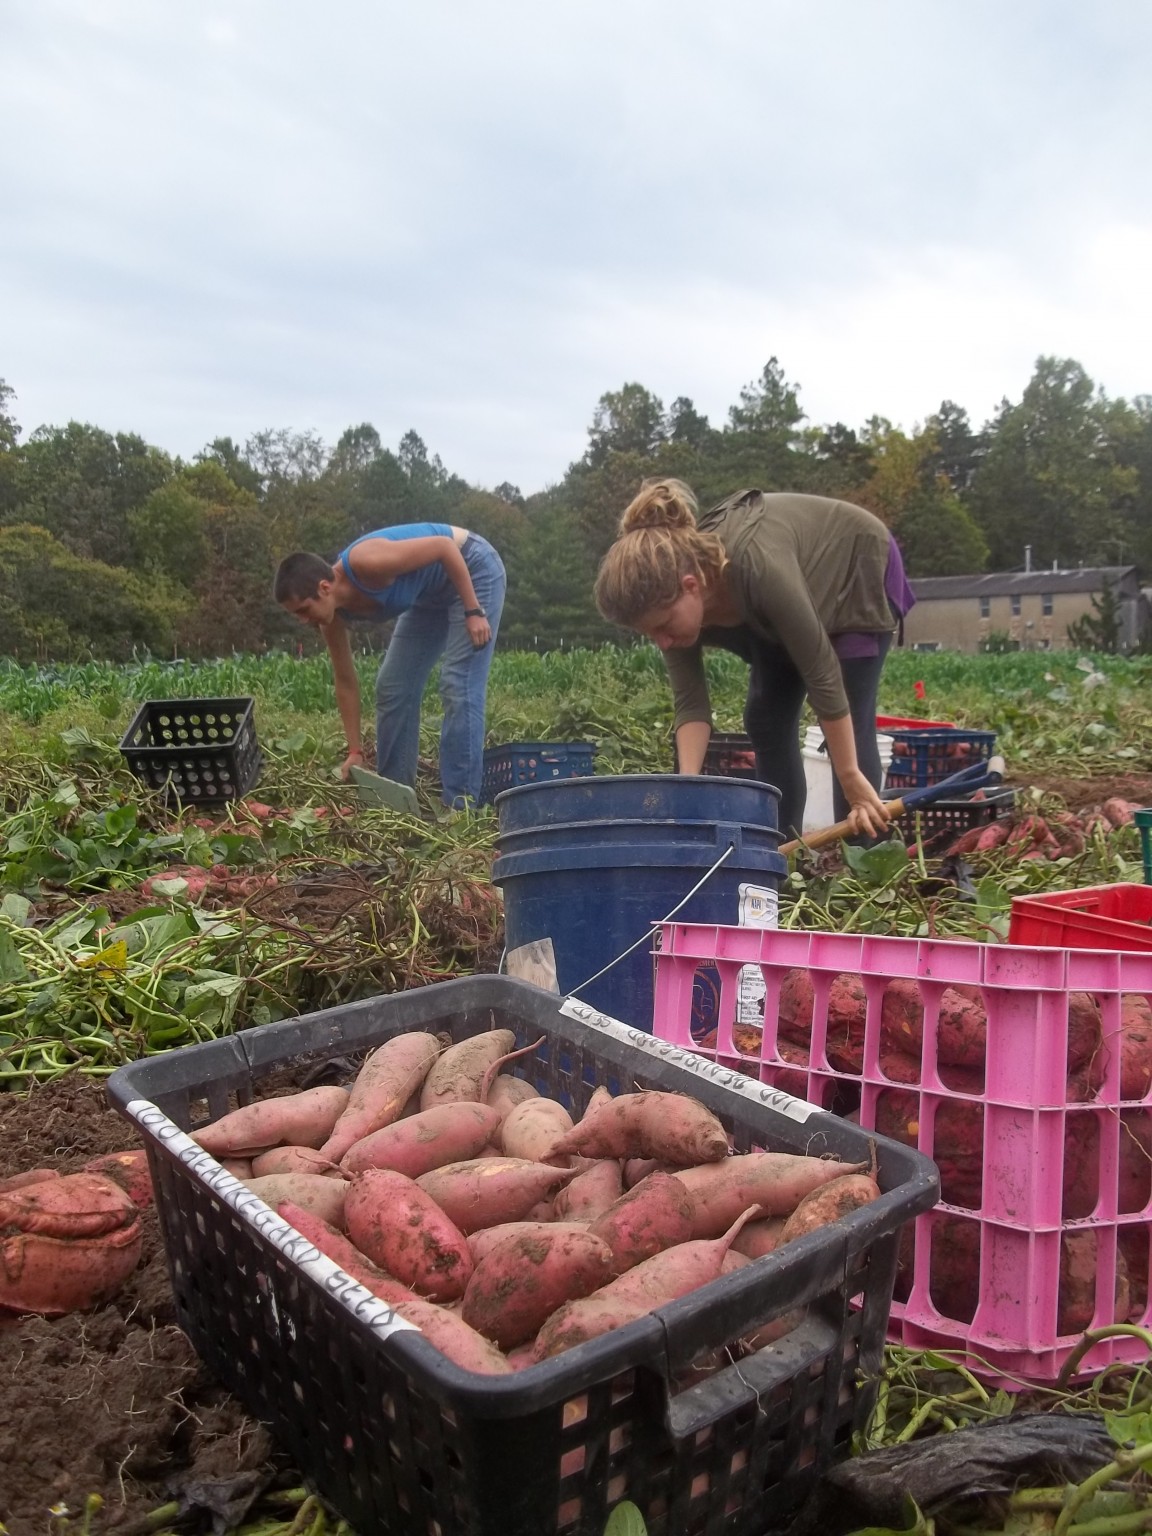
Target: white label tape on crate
(759, 908)
(369, 1309)
(736, 1082)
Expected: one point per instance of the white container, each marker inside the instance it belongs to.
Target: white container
(818, 812)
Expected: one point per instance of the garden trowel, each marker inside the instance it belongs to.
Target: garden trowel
(375, 790)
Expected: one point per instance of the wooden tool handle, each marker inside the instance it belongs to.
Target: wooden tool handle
(833, 834)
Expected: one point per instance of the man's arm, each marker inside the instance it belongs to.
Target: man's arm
(347, 689)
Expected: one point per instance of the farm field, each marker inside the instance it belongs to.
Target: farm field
(127, 929)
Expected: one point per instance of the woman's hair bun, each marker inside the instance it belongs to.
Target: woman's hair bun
(660, 504)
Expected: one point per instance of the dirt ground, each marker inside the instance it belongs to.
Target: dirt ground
(1079, 794)
(112, 1402)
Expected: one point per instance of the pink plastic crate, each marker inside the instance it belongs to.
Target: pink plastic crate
(1015, 1207)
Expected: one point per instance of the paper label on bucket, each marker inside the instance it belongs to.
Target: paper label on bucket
(759, 908)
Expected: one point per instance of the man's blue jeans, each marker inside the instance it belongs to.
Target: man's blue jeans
(423, 635)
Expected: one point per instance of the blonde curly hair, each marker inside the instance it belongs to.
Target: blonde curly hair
(657, 544)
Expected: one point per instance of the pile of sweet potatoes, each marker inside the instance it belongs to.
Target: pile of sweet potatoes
(958, 1032)
(505, 1231)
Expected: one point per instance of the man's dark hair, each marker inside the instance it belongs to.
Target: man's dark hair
(299, 576)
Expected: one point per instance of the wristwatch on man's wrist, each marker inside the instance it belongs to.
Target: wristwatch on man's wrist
(475, 613)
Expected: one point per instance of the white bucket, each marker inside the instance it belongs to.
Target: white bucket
(818, 774)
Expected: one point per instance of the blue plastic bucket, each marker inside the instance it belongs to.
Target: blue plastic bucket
(593, 863)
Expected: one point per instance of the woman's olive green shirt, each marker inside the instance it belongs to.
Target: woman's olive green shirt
(801, 568)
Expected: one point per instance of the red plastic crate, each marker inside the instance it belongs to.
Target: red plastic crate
(900, 723)
(1031, 1173)
(1093, 917)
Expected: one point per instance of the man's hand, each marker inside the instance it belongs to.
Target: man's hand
(479, 630)
(355, 758)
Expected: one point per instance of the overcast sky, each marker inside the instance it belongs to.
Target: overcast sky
(474, 217)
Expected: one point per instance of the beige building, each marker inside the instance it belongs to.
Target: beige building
(1032, 608)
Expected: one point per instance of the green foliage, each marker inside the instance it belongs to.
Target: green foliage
(55, 603)
(1099, 630)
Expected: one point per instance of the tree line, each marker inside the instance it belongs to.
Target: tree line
(110, 545)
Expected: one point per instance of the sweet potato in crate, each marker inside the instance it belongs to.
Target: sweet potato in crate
(1026, 1075)
(400, 1439)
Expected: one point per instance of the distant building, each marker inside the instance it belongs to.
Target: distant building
(1032, 608)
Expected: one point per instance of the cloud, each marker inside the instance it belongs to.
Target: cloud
(473, 220)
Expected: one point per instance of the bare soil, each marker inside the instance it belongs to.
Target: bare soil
(112, 1402)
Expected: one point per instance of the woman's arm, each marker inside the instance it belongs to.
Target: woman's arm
(866, 811)
(347, 689)
(378, 561)
(691, 745)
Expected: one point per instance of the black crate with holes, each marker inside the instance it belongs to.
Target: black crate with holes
(200, 751)
(728, 755)
(943, 821)
(670, 1411)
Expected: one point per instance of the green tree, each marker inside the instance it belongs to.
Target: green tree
(550, 576)
(169, 533)
(224, 452)
(1050, 478)
(9, 427)
(1100, 629)
(938, 536)
(958, 449)
(629, 420)
(769, 406)
(685, 424)
(57, 604)
(80, 483)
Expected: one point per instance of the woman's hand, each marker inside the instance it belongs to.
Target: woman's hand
(479, 630)
(867, 813)
(355, 759)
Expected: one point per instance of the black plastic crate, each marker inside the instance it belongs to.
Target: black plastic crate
(922, 757)
(728, 755)
(529, 762)
(400, 1440)
(201, 751)
(945, 820)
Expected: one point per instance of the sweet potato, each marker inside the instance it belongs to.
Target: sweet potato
(775, 1181)
(1134, 1186)
(341, 1250)
(578, 1321)
(294, 1160)
(507, 1091)
(1078, 1270)
(1135, 1046)
(659, 1280)
(383, 1086)
(403, 1231)
(28, 1177)
(491, 1191)
(522, 1281)
(830, 1203)
(637, 1168)
(450, 1133)
(481, 1244)
(676, 1271)
(531, 1130)
(457, 1076)
(759, 1237)
(66, 1244)
(298, 1119)
(239, 1167)
(129, 1170)
(657, 1214)
(591, 1192)
(312, 1191)
(847, 1011)
(450, 1334)
(669, 1126)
